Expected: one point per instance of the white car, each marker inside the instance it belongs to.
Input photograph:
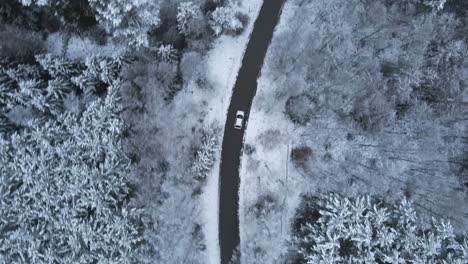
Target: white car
(239, 119)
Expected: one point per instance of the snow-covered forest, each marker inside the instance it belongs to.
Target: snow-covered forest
(357, 97)
(336, 229)
(64, 178)
(112, 111)
(110, 127)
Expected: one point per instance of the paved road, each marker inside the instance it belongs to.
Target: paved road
(243, 94)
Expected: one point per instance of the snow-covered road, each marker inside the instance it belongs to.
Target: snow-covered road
(242, 97)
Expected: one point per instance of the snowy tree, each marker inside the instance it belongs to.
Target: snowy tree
(189, 19)
(7, 88)
(5, 124)
(22, 72)
(205, 155)
(129, 20)
(57, 66)
(31, 92)
(167, 53)
(100, 73)
(225, 19)
(35, 2)
(44, 85)
(74, 15)
(105, 69)
(363, 230)
(436, 4)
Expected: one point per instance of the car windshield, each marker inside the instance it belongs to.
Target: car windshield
(239, 116)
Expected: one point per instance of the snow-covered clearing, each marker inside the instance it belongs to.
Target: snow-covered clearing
(223, 63)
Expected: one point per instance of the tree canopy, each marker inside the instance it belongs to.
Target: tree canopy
(64, 187)
(337, 229)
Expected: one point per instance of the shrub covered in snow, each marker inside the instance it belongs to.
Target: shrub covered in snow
(337, 229)
(205, 155)
(372, 112)
(226, 19)
(300, 108)
(300, 155)
(265, 205)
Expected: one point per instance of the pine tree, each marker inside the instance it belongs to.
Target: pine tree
(30, 92)
(58, 66)
(437, 4)
(189, 18)
(100, 71)
(5, 125)
(129, 20)
(23, 72)
(167, 53)
(7, 89)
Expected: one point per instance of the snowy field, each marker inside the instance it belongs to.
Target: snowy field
(419, 156)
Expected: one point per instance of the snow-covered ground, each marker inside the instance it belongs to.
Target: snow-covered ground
(223, 64)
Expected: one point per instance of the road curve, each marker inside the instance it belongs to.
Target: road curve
(242, 97)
